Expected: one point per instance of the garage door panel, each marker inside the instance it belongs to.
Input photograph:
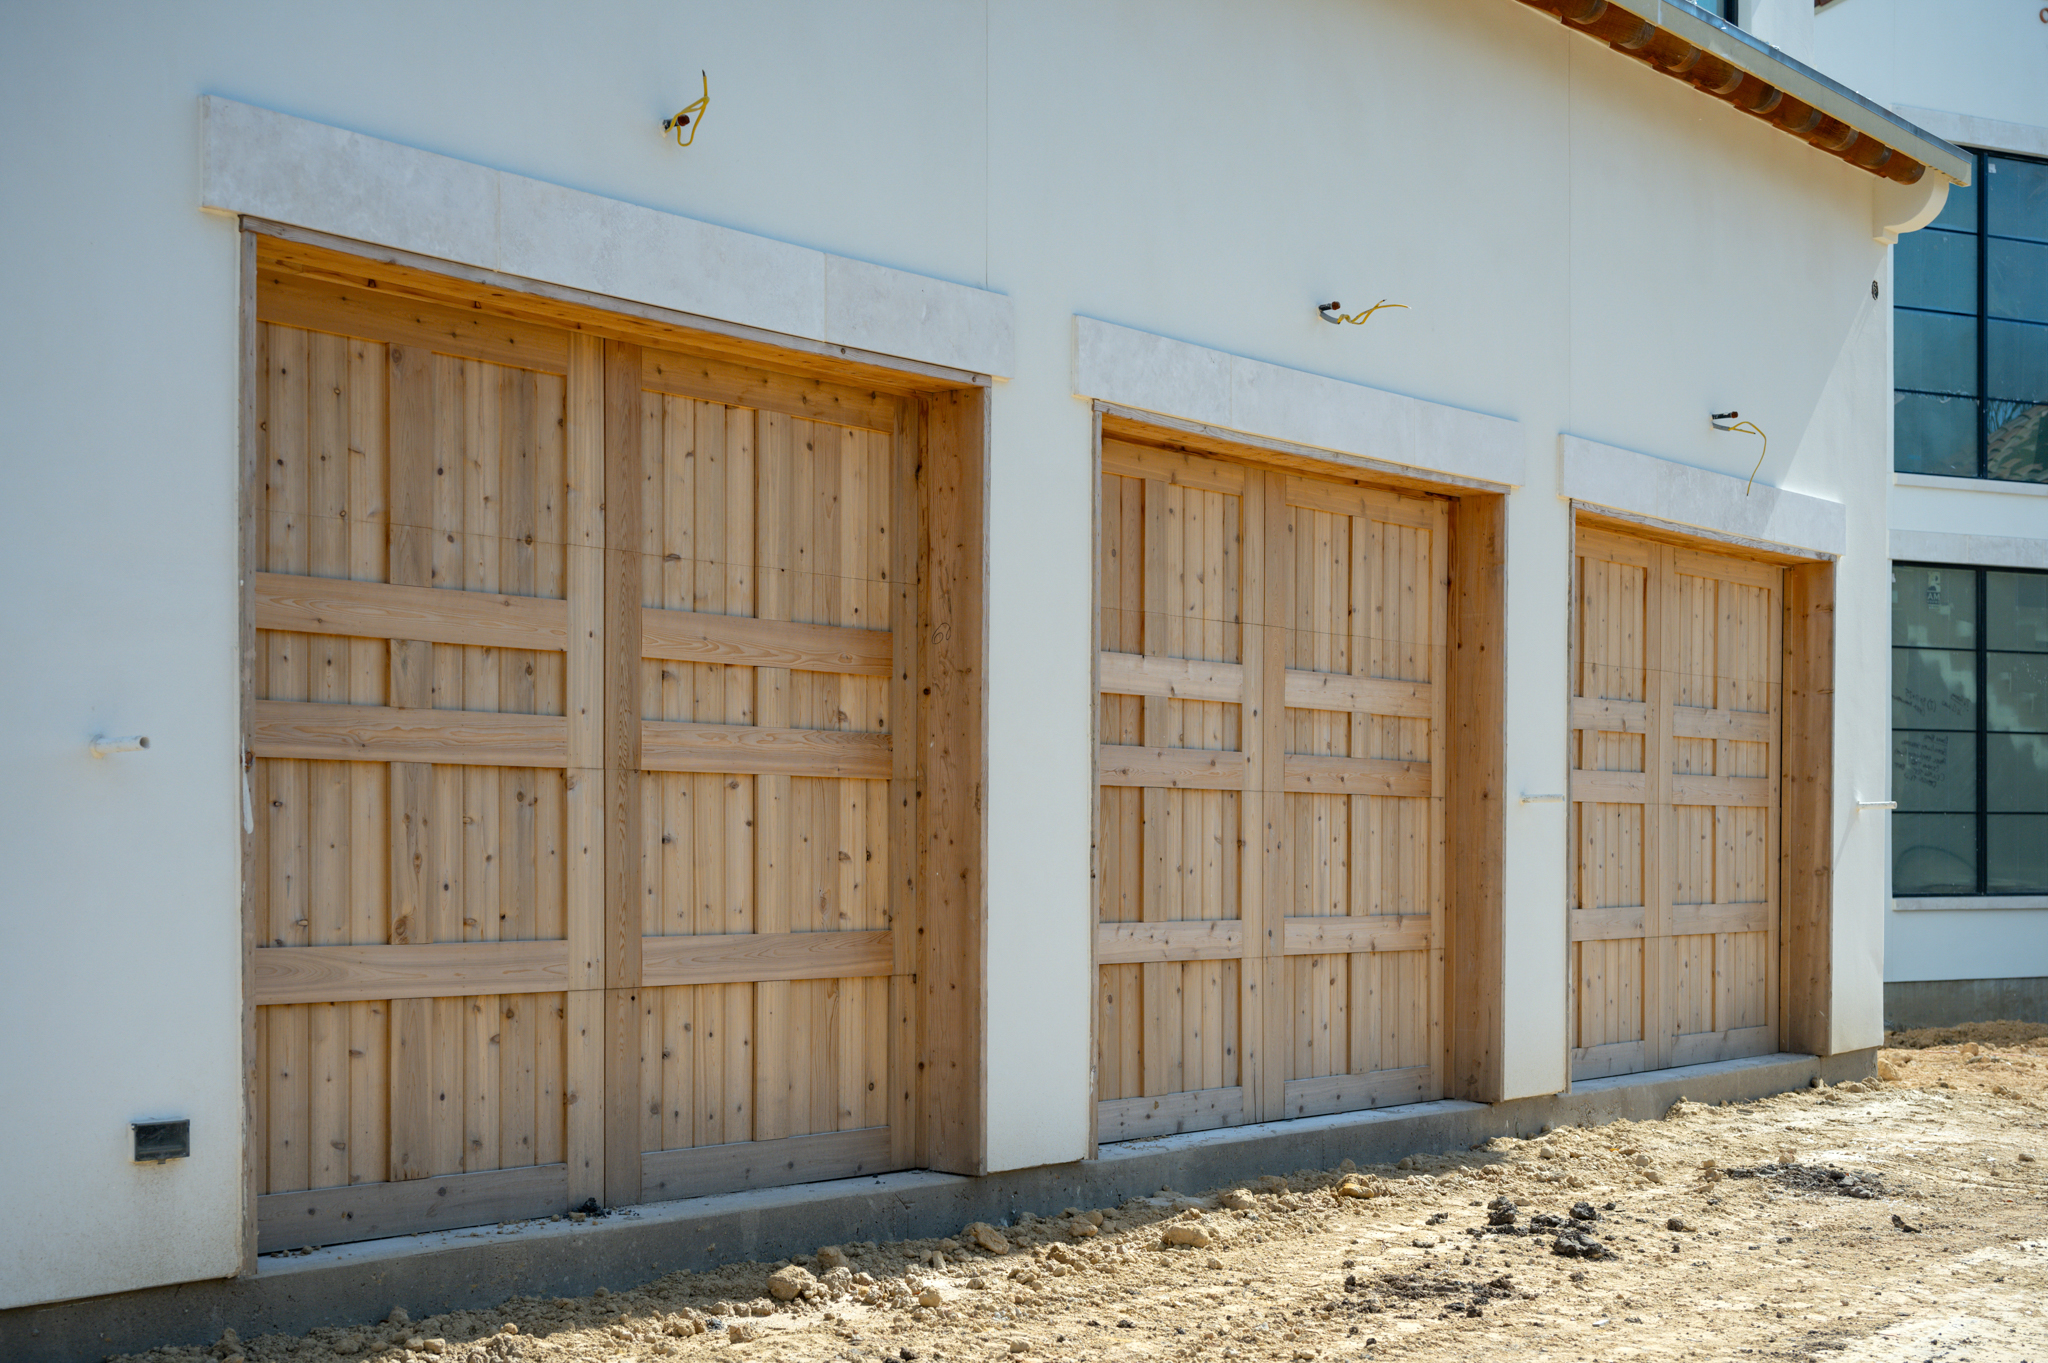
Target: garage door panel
(405, 465)
(1344, 615)
(768, 537)
(468, 498)
(1682, 647)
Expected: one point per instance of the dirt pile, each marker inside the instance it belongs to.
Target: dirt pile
(1881, 1220)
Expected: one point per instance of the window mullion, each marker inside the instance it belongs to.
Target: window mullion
(1983, 338)
(1983, 742)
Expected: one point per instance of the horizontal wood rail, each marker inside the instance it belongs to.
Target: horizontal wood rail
(1605, 925)
(351, 310)
(1342, 936)
(1129, 1119)
(1699, 1048)
(1118, 764)
(373, 1211)
(1171, 467)
(1133, 674)
(1216, 939)
(382, 733)
(1349, 499)
(1757, 792)
(1688, 920)
(1374, 695)
(1136, 674)
(1613, 1057)
(759, 750)
(669, 1174)
(430, 970)
(737, 385)
(1610, 787)
(1610, 716)
(1317, 775)
(742, 641)
(747, 957)
(1351, 1092)
(1687, 721)
(379, 610)
(1685, 920)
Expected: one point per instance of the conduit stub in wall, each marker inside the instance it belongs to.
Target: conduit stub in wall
(1151, 373)
(294, 171)
(1681, 495)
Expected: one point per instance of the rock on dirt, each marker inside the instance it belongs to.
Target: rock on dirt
(1238, 1200)
(787, 1284)
(987, 1237)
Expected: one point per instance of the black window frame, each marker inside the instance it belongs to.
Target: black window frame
(1980, 648)
(1980, 185)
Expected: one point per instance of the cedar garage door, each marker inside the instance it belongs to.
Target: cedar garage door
(583, 834)
(1270, 828)
(1676, 699)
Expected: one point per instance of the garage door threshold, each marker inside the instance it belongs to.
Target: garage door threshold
(469, 1269)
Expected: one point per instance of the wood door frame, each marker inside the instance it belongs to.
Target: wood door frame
(1472, 985)
(938, 1050)
(1805, 853)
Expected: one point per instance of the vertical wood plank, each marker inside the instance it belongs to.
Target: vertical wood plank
(1805, 880)
(410, 804)
(1263, 934)
(952, 750)
(584, 804)
(1661, 606)
(1475, 686)
(905, 920)
(619, 647)
(250, 446)
(776, 455)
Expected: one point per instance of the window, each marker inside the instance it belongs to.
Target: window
(1969, 731)
(1971, 330)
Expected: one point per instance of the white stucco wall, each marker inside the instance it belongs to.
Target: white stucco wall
(1585, 248)
(1971, 71)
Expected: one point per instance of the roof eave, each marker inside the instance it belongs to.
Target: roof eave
(1686, 43)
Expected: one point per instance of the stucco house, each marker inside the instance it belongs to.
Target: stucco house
(909, 608)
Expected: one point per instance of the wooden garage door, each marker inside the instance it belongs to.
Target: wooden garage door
(580, 830)
(1269, 842)
(1674, 813)
(772, 581)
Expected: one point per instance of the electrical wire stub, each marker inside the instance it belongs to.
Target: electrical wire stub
(1334, 314)
(1726, 421)
(690, 116)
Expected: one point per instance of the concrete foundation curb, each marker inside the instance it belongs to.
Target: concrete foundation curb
(454, 1270)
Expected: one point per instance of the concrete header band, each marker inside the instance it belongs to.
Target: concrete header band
(1136, 369)
(1681, 495)
(291, 170)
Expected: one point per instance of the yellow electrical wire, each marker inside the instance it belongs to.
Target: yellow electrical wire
(682, 117)
(1751, 428)
(1358, 318)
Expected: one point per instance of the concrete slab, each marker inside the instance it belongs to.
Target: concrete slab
(452, 1270)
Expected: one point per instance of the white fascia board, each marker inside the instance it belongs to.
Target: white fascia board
(1983, 551)
(1802, 82)
(1137, 369)
(1968, 130)
(1681, 495)
(268, 165)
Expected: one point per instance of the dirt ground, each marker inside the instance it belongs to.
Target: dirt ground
(1906, 1219)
